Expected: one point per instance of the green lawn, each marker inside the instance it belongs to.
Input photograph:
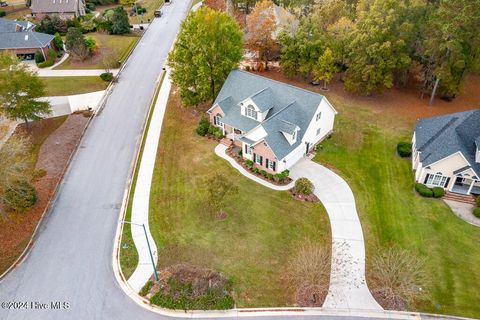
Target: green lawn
(362, 150)
(252, 245)
(62, 86)
(121, 44)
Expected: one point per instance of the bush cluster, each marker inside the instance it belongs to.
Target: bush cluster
(205, 127)
(20, 197)
(476, 212)
(404, 149)
(2, 13)
(106, 76)
(304, 186)
(38, 57)
(424, 191)
(52, 54)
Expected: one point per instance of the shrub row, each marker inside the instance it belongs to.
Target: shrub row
(424, 191)
(277, 177)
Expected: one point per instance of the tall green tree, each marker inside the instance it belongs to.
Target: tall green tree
(452, 45)
(208, 48)
(325, 69)
(378, 49)
(120, 24)
(20, 89)
(75, 44)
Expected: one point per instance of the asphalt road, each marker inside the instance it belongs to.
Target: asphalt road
(71, 259)
(69, 266)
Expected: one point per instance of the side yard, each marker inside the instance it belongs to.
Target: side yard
(106, 44)
(252, 243)
(362, 150)
(63, 86)
(53, 141)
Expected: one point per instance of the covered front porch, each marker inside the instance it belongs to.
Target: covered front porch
(466, 186)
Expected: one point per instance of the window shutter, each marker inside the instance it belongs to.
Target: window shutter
(274, 166)
(254, 157)
(426, 178)
(246, 149)
(261, 160)
(446, 182)
(266, 163)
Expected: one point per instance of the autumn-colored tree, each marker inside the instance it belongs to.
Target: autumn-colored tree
(261, 25)
(218, 5)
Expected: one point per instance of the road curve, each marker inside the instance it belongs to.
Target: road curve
(71, 258)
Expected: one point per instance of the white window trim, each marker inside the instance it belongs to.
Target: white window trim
(436, 180)
(251, 112)
(271, 165)
(218, 121)
(248, 149)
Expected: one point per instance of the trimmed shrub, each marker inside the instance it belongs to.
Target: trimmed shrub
(304, 186)
(263, 173)
(3, 13)
(203, 126)
(217, 133)
(256, 170)
(478, 201)
(39, 57)
(282, 175)
(58, 41)
(438, 192)
(269, 176)
(51, 59)
(20, 197)
(404, 149)
(476, 212)
(249, 163)
(240, 152)
(106, 76)
(423, 190)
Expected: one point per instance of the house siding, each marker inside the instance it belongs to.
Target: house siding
(262, 149)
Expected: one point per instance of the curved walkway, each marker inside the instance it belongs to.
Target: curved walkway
(348, 288)
(221, 149)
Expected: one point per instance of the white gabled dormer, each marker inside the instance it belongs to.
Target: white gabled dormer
(250, 110)
(289, 131)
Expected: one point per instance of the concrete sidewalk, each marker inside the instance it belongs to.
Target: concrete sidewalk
(348, 287)
(73, 73)
(141, 197)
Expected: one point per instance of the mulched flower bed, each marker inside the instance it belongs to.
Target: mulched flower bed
(233, 152)
(310, 198)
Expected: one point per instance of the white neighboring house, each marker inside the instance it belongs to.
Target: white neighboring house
(274, 124)
(446, 152)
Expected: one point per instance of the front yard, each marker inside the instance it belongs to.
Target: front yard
(64, 86)
(362, 150)
(106, 44)
(251, 245)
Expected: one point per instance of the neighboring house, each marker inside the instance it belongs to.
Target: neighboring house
(20, 38)
(66, 9)
(285, 21)
(274, 123)
(446, 152)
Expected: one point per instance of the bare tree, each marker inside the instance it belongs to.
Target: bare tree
(14, 163)
(398, 278)
(309, 274)
(110, 61)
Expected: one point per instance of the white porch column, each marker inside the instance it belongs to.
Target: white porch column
(471, 187)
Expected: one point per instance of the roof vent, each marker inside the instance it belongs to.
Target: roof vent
(26, 37)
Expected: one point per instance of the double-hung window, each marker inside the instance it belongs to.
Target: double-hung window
(270, 164)
(248, 149)
(217, 120)
(318, 116)
(318, 131)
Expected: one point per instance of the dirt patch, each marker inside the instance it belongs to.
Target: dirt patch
(53, 157)
(301, 197)
(403, 103)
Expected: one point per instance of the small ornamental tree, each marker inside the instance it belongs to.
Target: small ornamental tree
(20, 89)
(304, 186)
(208, 47)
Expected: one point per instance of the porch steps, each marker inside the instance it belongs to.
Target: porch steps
(226, 142)
(459, 197)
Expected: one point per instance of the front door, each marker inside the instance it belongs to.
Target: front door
(307, 145)
(459, 181)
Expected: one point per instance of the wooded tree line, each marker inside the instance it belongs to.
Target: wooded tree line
(382, 43)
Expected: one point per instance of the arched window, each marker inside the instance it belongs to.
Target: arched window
(251, 112)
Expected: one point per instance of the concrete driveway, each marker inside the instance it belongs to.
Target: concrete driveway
(348, 288)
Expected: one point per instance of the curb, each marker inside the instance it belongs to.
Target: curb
(50, 202)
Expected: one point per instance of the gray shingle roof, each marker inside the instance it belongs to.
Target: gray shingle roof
(291, 107)
(7, 25)
(265, 99)
(29, 39)
(439, 137)
(56, 6)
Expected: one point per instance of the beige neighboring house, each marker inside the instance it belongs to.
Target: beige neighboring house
(446, 152)
(273, 123)
(66, 9)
